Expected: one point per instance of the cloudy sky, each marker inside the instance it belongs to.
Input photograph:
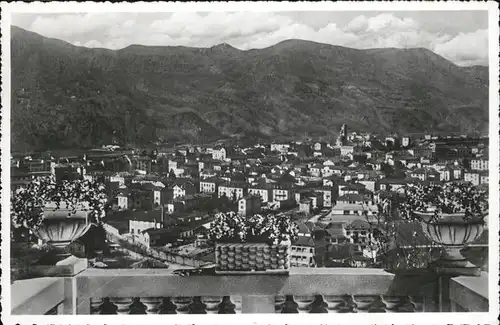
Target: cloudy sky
(460, 36)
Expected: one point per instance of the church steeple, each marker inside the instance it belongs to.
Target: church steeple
(342, 138)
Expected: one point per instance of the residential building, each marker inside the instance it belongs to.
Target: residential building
(210, 185)
(328, 196)
(188, 203)
(249, 205)
(263, 190)
(354, 198)
(425, 174)
(358, 208)
(182, 187)
(473, 176)
(233, 190)
(281, 147)
(352, 188)
(303, 252)
(359, 231)
(282, 192)
(479, 164)
(353, 150)
(139, 226)
(391, 184)
(305, 206)
(310, 249)
(484, 177)
(316, 200)
(123, 201)
(315, 170)
(336, 233)
(219, 153)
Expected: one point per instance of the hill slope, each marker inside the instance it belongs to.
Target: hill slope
(66, 96)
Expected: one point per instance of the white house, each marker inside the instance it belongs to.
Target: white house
(219, 154)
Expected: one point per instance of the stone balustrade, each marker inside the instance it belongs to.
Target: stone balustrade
(160, 291)
(304, 290)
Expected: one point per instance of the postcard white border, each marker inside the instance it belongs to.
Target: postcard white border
(420, 318)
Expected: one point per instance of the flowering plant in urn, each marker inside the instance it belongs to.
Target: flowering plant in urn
(259, 243)
(451, 215)
(58, 212)
(419, 201)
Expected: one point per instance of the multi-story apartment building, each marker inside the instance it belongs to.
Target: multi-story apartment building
(232, 190)
(473, 176)
(263, 191)
(328, 196)
(425, 174)
(210, 185)
(282, 192)
(479, 164)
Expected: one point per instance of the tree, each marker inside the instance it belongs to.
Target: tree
(171, 174)
(385, 229)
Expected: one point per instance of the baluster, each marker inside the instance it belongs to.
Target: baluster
(182, 304)
(137, 307)
(279, 304)
(363, 303)
(226, 306)
(304, 303)
(122, 305)
(212, 304)
(167, 307)
(378, 305)
(289, 306)
(197, 306)
(107, 307)
(349, 305)
(152, 304)
(237, 301)
(318, 306)
(408, 306)
(95, 305)
(391, 303)
(334, 303)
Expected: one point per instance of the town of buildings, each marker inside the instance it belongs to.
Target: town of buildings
(164, 198)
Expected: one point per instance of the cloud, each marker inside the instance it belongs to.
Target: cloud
(93, 43)
(389, 21)
(70, 25)
(247, 30)
(466, 48)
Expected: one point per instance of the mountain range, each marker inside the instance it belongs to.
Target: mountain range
(67, 96)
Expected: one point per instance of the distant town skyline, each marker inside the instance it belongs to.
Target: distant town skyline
(460, 36)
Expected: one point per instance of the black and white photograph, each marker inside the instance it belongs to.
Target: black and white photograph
(250, 158)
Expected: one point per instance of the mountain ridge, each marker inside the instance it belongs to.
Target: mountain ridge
(64, 95)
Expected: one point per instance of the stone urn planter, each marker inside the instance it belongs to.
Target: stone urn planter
(58, 213)
(62, 226)
(453, 232)
(452, 215)
(252, 258)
